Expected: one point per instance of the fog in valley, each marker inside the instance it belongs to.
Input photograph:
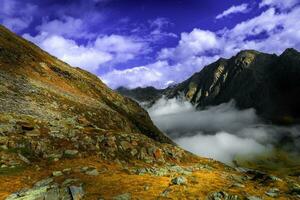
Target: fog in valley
(222, 132)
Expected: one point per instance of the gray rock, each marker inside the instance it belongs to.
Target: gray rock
(71, 152)
(238, 185)
(52, 194)
(76, 192)
(180, 180)
(273, 192)
(166, 192)
(23, 158)
(222, 196)
(57, 173)
(253, 198)
(125, 196)
(92, 172)
(294, 188)
(31, 194)
(69, 181)
(43, 182)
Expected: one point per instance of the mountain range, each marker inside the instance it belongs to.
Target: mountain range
(266, 82)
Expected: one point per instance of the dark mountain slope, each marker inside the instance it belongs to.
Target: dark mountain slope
(141, 94)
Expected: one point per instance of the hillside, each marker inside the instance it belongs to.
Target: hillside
(65, 135)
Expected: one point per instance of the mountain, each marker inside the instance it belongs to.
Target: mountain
(65, 135)
(266, 82)
(147, 94)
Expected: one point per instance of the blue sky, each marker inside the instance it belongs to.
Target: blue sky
(147, 42)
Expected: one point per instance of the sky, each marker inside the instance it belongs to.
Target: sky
(139, 43)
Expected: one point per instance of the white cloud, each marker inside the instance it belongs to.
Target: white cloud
(221, 132)
(196, 42)
(279, 3)
(15, 15)
(159, 74)
(158, 25)
(66, 26)
(243, 8)
(104, 50)
(270, 32)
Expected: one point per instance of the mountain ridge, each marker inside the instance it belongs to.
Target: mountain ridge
(253, 79)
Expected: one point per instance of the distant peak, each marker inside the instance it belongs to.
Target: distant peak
(290, 51)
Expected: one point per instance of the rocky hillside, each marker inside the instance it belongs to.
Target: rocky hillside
(266, 82)
(65, 135)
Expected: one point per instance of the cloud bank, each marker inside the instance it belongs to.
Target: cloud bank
(221, 132)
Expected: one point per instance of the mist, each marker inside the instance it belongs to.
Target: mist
(221, 132)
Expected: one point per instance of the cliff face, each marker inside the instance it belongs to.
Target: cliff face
(36, 84)
(266, 82)
(257, 80)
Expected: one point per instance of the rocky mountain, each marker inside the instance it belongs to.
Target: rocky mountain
(65, 135)
(141, 94)
(266, 82)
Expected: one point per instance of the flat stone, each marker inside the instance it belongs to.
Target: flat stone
(57, 173)
(92, 172)
(253, 198)
(70, 152)
(125, 196)
(43, 182)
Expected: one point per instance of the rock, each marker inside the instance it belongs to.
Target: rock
(133, 152)
(166, 192)
(67, 170)
(253, 198)
(146, 187)
(57, 173)
(76, 192)
(273, 192)
(52, 194)
(25, 126)
(180, 180)
(294, 188)
(222, 196)
(125, 196)
(84, 169)
(92, 172)
(23, 158)
(125, 145)
(69, 181)
(43, 182)
(34, 194)
(71, 153)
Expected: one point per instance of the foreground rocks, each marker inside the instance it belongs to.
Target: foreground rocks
(49, 190)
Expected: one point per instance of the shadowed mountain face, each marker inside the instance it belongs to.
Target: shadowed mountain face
(33, 83)
(266, 82)
(141, 94)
